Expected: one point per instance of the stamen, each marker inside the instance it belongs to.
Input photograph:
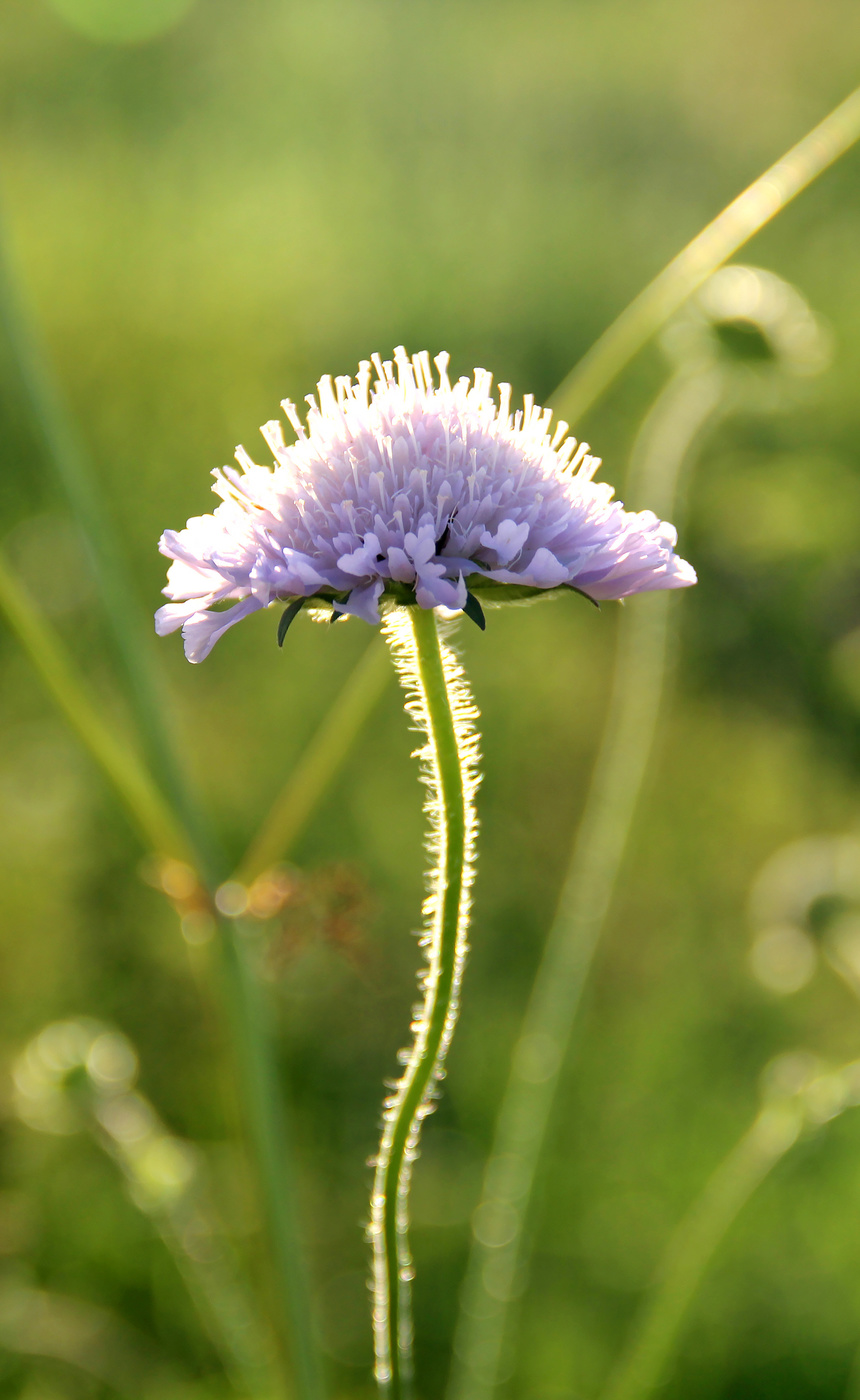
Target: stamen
(245, 461)
(292, 414)
(273, 434)
(441, 361)
(558, 436)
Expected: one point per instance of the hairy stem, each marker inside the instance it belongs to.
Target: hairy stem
(438, 701)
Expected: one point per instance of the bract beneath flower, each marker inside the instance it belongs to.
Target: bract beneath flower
(404, 489)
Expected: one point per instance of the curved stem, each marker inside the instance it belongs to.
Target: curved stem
(438, 700)
(498, 1248)
(716, 243)
(693, 1245)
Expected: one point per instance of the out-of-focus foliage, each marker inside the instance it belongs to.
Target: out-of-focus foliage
(205, 223)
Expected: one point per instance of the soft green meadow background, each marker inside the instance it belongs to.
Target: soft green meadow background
(207, 220)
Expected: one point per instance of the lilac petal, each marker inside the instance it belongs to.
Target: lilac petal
(203, 629)
(400, 565)
(675, 573)
(546, 571)
(508, 540)
(172, 616)
(440, 592)
(363, 602)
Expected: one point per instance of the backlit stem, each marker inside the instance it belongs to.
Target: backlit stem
(694, 1244)
(716, 243)
(438, 700)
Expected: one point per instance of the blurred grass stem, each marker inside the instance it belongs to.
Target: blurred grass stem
(260, 1091)
(693, 1245)
(321, 760)
(716, 243)
(438, 701)
(164, 811)
(151, 814)
(57, 438)
(497, 1260)
(264, 1108)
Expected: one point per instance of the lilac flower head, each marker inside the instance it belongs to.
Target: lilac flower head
(400, 490)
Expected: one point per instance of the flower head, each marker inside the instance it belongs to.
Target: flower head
(402, 490)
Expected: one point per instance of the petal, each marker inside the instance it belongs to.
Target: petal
(507, 541)
(174, 615)
(363, 602)
(545, 571)
(433, 592)
(203, 629)
(400, 565)
(675, 573)
(303, 569)
(358, 564)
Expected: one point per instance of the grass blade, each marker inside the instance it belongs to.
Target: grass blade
(694, 1244)
(59, 443)
(716, 243)
(152, 815)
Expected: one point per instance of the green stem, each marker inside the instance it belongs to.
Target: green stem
(154, 818)
(693, 1245)
(438, 700)
(58, 440)
(716, 243)
(263, 1100)
(265, 1113)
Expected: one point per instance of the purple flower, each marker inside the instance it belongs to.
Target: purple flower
(402, 491)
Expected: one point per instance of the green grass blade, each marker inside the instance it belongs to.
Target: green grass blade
(693, 1246)
(60, 445)
(265, 1108)
(716, 243)
(152, 815)
(263, 1100)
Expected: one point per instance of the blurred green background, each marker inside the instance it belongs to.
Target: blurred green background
(205, 221)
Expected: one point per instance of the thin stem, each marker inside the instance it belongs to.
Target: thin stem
(716, 243)
(498, 1246)
(261, 1094)
(57, 437)
(265, 1113)
(318, 765)
(693, 1245)
(438, 700)
(262, 1097)
(153, 817)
